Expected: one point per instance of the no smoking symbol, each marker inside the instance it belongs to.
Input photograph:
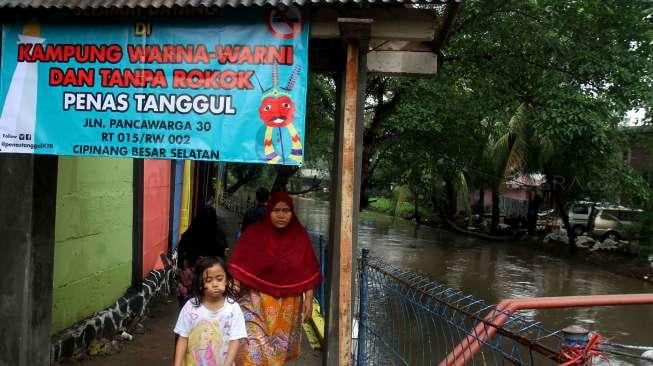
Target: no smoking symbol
(284, 23)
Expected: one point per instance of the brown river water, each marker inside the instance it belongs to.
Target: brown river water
(493, 271)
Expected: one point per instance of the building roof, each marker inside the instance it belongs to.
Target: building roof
(526, 180)
(98, 4)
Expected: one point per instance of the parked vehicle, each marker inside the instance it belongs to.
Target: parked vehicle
(579, 216)
(616, 223)
(603, 221)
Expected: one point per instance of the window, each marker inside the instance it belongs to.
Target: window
(580, 209)
(609, 215)
(630, 216)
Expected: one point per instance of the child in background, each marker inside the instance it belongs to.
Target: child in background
(211, 324)
(184, 284)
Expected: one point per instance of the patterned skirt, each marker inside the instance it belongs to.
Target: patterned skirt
(274, 328)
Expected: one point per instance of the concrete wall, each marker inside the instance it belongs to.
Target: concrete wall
(106, 322)
(156, 212)
(93, 237)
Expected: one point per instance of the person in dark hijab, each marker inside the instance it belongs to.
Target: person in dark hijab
(203, 238)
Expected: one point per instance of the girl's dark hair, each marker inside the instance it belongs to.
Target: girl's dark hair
(197, 288)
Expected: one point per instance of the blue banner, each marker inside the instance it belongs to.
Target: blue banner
(228, 89)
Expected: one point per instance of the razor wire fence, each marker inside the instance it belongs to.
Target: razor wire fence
(406, 318)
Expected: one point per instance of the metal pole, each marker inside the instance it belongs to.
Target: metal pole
(362, 307)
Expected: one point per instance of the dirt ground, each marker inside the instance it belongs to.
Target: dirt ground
(155, 346)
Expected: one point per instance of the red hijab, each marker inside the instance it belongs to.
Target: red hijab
(278, 262)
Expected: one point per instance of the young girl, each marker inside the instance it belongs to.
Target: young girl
(211, 324)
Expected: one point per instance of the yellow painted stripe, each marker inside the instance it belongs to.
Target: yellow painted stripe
(318, 321)
(311, 337)
(186, 186)
(315, 329)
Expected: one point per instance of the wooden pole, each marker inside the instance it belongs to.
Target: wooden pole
(345, 198)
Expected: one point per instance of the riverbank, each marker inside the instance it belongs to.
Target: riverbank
(634, 266)
(455, 228)
(638, 266)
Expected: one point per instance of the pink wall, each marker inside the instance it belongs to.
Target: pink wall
(156, 212)
(520, 194)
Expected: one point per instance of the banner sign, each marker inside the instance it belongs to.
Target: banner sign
(228, 88)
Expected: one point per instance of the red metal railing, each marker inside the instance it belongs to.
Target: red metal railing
(486, 329)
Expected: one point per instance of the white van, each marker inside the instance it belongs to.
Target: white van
(579, 216)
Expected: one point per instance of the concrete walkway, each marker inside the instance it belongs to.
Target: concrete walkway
(155, 346)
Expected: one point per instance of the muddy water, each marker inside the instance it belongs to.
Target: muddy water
(494, 271)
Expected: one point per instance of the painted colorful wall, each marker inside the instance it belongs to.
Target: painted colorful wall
(186, 197)
(93, 237)
(156, 212)
(179, 177)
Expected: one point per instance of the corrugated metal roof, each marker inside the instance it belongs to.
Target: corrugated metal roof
(98, 4)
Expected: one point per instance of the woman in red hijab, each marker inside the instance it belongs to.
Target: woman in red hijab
(277, 270)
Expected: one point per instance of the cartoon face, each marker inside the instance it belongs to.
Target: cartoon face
(277, 112)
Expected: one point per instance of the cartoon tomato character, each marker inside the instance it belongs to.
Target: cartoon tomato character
(277, 112)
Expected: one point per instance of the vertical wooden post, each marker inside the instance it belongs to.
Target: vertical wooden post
(346, 196)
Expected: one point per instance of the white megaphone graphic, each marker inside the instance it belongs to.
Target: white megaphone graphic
(18, 118)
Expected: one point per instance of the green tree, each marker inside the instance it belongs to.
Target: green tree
(578, 67)
(545, 84)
